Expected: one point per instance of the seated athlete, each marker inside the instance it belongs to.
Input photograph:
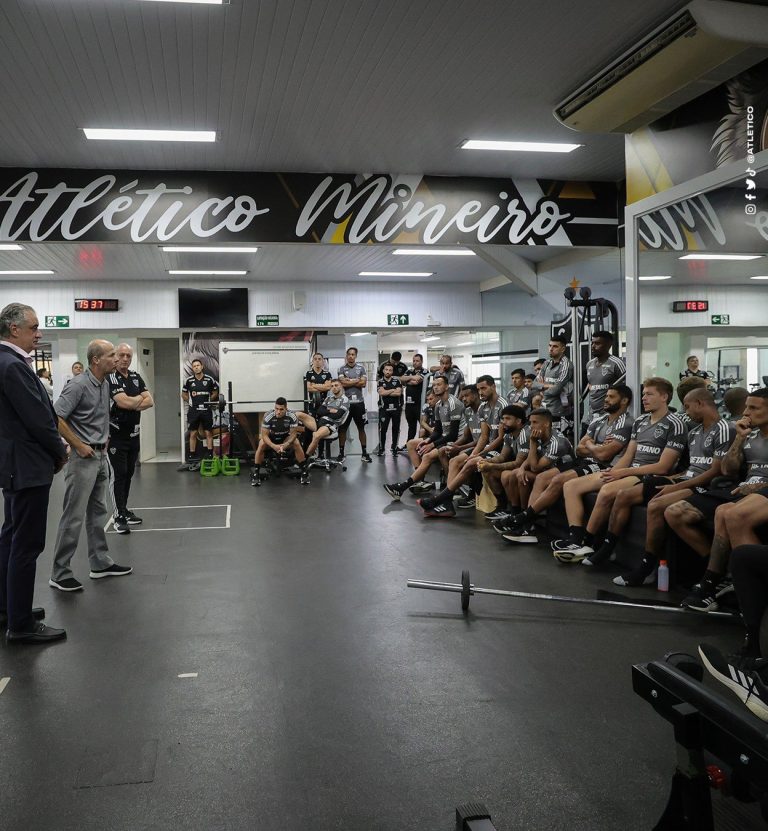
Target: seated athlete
(331, 415)
(482, 414)
(427, 417)
(448, 412)
(657, 440)
(709, 439)
(547, 448)
(520, 392)
(469, 432)
(279, 434)
(514, 449)
(736, 509)
(607, 436)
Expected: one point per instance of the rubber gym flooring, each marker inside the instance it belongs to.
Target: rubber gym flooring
(326, 694)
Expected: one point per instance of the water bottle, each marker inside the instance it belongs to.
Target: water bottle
(663, 577)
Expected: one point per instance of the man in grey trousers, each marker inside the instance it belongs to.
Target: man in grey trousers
(83, 413)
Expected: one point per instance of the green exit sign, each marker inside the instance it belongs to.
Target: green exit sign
(57, 321)
(397, 320)
(267, 320)
(721, 320)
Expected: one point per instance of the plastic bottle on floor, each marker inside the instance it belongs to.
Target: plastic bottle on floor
(662, 580)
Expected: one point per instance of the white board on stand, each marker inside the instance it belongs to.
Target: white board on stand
(262, 371)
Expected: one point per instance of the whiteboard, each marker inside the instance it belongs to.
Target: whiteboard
(263, 371)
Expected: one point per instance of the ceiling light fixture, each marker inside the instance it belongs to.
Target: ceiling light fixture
(760, 277)
(396, 273)
(358, 334)
(208, 249)
(188, 271)
(429, 340)
(19, 271)
(465, 343)
(10, 246)
(657, 277)
(437, 252)
(103, 134)
(721, 257)
(520, 146)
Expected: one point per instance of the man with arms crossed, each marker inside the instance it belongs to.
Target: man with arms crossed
(413, 381)
(603, 371)
(330, 416)
(354, 380)
(390, 407)
(606, 437)
(83, 412)
(31, 453)
(130, 398)
(658, 438)
(555, 380)
(198, 391)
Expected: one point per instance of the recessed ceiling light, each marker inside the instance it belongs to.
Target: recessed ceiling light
(437, 252)
(658, 277)
(721, 257)
(520, 146)
(188, 271)
(396, 273)
(429, 340)
(19, 271)
(760, 277)
(99, 134)
(10, 246)
(208, 249)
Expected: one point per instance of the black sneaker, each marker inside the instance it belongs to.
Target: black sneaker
(69, 584)
(496, 515)
(184, 466)
(702, 598)
(121, 525)
(395, 490)
(744, 676)
(643, 575)
(426, 503)
(422, 487)
(466, 503)
(111, 571)
(521, 535)
(193, 466)
(340, 457)
(132, 519)
(366, 458)
(379, 452)
(304, 480)
(443, 510)
(395, 451)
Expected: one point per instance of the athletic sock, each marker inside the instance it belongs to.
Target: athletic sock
(711, 578)
(588, 539)
(609, 543)
(528, 514)
(445, 495)
(648, 563)
(408, 482)
(751, 648)
(577, 533)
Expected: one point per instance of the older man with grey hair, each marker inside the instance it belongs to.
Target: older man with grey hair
(83, 413)
(31, 452)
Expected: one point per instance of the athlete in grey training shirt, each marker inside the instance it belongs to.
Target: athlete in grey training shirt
(603, 371)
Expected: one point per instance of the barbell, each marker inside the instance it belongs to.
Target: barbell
(466, 589)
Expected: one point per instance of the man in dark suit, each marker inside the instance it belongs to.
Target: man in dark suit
(31, 452)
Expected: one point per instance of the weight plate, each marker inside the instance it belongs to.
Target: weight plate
(465, 590)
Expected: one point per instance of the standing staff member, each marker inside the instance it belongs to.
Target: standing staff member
(603, 372)
(197, 392)
(31, 452)
(390, 408)
(130, 397)
(83, 411)
(354, 380)
(413, 381)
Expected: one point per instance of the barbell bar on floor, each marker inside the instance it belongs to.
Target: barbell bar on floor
(466, 589)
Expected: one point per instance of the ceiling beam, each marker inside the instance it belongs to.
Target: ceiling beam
(513, 270)
(575, 255)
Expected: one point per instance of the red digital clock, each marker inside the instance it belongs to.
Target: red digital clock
(690, 305)
(91, 304)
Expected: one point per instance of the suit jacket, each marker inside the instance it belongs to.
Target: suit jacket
(30, 444)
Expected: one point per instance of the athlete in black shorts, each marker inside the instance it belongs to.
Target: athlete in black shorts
(198, 391)
(279, 435)
(413, 381)
(390, 407)
(354, 380)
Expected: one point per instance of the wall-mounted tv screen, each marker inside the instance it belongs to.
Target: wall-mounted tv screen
(220, 308)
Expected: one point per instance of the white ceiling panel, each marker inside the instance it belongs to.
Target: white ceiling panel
(309, 85)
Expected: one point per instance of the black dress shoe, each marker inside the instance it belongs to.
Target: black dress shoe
(37, 633)
(38, 613)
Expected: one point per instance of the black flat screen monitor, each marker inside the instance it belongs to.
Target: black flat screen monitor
(208, 308)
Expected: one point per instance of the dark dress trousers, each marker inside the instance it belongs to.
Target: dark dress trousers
(30, 448)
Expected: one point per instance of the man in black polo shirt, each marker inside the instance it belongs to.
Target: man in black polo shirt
(198, 391)
(129, 397)
(390, 408)
(413, 381)
(396, 362)
(318, 381)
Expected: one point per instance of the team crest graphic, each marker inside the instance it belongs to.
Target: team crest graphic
(658, 432)
(707, 441)
(606, 370)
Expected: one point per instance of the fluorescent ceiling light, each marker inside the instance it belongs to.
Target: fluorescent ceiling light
(187, 271)
(358, 334)
(721, 257)
(208, 249)
(465, 343)
(100, 134)
(760, 277)
(429, 340)
(10, 246)
(396, 273)
(659, 277)
(19, 271)
(437, 252)
(520, 146)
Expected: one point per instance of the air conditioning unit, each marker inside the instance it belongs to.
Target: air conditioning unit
(695, 50)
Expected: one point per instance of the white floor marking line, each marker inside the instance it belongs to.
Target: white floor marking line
(3, 684)
(188, 528)
(177, 507)
(188, 675)
(110, 522)
(229, 514)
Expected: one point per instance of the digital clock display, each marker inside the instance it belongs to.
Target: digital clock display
(690, 305)
(91, 304)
